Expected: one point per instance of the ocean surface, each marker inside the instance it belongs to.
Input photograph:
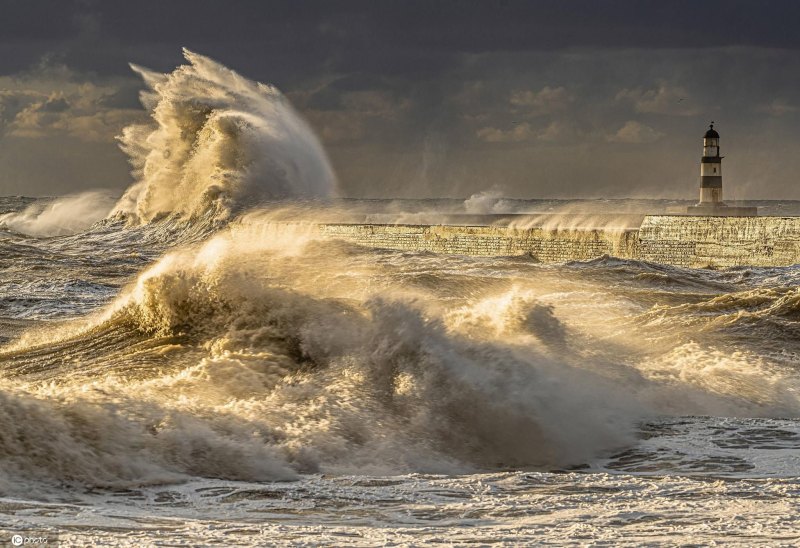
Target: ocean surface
(190, 365)
(245, 383)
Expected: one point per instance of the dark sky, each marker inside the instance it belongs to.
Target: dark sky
(429, 98)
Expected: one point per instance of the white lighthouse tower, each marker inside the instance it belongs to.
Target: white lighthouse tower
(711, 203)
(711, 171)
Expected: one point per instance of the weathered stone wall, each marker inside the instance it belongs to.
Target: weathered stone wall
(720, 241)
(692, 241)
(681, 240)
(545, 245)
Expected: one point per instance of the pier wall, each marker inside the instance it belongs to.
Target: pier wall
(720, 241)
(545, 245)
(692, 241)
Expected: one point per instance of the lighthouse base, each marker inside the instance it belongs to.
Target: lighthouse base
(721, 210)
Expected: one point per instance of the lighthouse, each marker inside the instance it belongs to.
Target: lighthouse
(711, 203)
(711, 170)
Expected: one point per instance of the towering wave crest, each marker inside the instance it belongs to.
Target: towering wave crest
(215, 143)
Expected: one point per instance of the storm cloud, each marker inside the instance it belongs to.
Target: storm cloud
(425, 99)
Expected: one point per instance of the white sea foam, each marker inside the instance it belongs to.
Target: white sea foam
(60, 217)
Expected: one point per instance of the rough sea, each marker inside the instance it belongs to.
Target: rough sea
(184, 367)
(250, 384)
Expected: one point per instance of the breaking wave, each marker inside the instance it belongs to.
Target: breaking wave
(217, 142)
(230, 360)
(267, 352)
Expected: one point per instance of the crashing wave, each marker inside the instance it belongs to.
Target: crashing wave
(217, 142)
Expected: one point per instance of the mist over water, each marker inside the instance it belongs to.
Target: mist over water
(205, 341)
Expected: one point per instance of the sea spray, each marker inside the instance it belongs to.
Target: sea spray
(485, 202)
(217, 142)
(60, 217)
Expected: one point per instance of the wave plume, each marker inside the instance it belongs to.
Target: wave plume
(217, 142)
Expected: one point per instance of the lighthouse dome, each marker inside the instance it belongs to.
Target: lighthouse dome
(711, 133)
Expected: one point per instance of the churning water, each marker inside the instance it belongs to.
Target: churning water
(194, 369)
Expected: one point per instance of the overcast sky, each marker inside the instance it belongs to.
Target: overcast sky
(429, 98)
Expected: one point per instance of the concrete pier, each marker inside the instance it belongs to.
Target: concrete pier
(682, 240)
